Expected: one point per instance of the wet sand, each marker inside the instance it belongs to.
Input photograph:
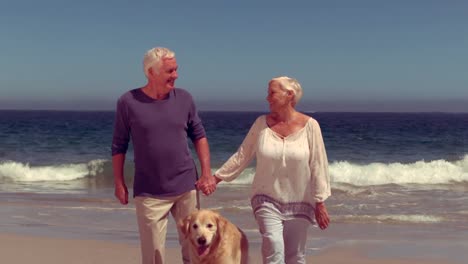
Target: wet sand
(31, 249)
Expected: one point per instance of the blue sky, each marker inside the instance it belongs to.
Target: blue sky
(348, 55)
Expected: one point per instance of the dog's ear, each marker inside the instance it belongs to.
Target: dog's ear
(221, 222)
(184, 225)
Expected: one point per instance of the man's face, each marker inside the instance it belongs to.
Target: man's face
(167, 75)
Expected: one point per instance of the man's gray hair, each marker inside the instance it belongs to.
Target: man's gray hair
(290, 84)
(154, 57)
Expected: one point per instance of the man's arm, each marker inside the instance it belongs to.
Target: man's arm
(206, 183)
(121, 191)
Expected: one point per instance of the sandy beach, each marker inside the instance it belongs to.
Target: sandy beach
(30, 249)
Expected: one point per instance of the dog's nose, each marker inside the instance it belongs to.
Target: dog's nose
(201, 241)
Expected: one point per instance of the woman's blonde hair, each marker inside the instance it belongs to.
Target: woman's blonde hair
(290, 84)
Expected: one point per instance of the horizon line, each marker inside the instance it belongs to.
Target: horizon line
(231, 111)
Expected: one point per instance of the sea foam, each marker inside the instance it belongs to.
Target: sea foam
(421, 172)
(23, 172)
(388, 218)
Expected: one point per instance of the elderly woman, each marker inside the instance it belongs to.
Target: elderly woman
(291, 180)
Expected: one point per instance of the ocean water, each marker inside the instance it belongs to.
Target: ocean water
(388, 171)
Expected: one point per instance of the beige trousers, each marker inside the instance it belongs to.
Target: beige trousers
(152, 224)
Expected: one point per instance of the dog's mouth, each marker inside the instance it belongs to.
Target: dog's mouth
(203, 250)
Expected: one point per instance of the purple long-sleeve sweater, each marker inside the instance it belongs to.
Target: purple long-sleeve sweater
(159, 130)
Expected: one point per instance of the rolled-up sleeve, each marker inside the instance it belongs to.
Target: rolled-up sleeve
(318, 163)
(195, 126)
(121, 135)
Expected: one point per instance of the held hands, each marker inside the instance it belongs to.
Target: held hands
(321, 215)
(207, 184)
(121, 192)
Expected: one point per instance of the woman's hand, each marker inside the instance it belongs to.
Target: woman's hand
(321, 215)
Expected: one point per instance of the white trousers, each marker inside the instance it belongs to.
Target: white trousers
(152, 224)
(283, 240)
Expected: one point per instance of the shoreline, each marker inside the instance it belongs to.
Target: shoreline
(21, 249)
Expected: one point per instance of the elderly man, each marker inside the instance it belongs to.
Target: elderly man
(159, 118)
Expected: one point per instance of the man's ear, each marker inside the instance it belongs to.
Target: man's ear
(152, 71)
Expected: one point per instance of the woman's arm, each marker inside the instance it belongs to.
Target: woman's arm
(232, 168)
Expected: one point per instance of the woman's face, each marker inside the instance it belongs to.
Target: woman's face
(277, 97)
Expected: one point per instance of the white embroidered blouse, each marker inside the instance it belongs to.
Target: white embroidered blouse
(291, 173)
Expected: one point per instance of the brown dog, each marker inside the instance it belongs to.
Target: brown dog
(213, 239)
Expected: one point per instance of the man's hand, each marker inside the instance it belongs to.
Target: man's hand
(207, 184)
(121, 192)
(321, 215)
